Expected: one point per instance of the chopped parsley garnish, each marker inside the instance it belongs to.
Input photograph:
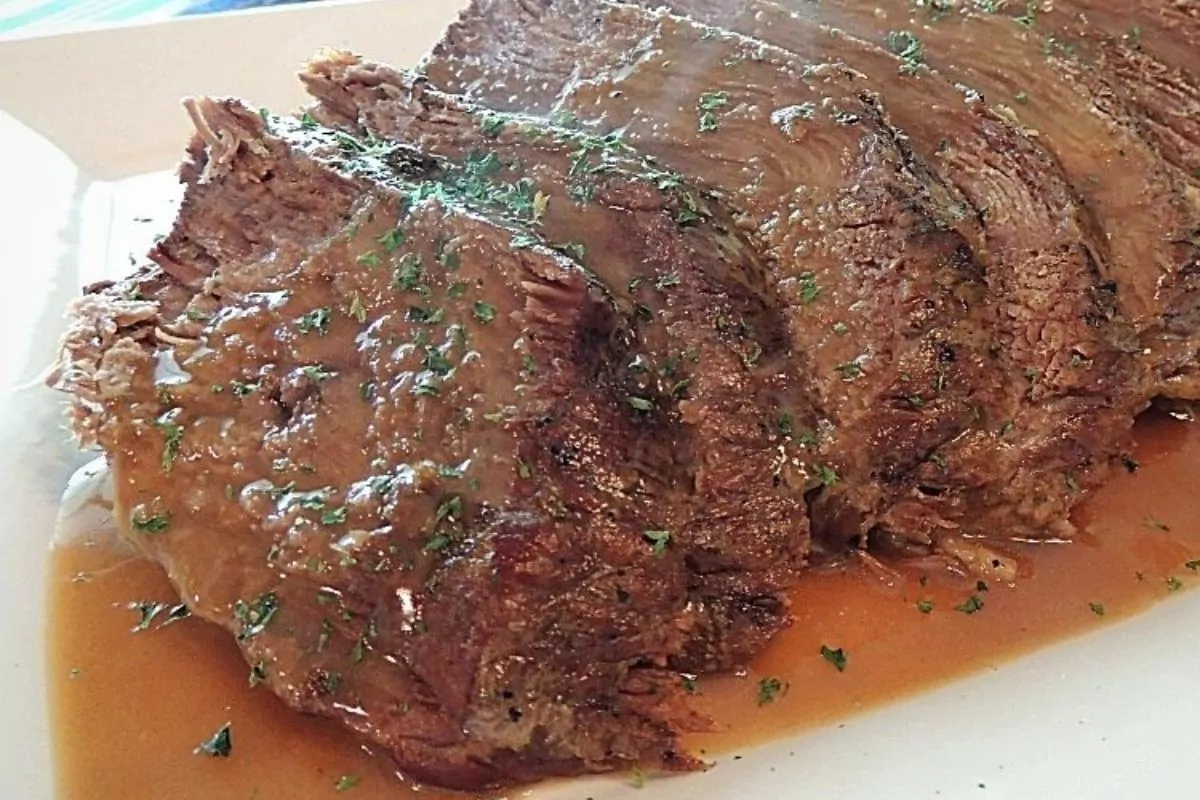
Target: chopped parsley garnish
(908, 48)
(849, 371)
(1021, 97)
(347, 782)
(392, 239)
(255, 616)
(436, 363)
(258, 673)
(484, 312)
(173, 438)
(810, 291)
(451, 508)
(712, 101)
(1193, 565)
(158, 523)
(784, 423)
(446, 256)
(316, 374)
(241, 388)
(409, 272)
(971, 604)
(147, 611)
(640, 403)
(1097, 609)
(334, 516)
(708, 122)
(826, 475)
(688, 682)
(925, 606)
(359, 651)
(492, 125)
(665, 282)
(1174, 584)
(437, 543)
(1029, 16)
(316, 320)
(836, 657)
(768, 690)
(219, 745)
(658, 541)
(368, 259)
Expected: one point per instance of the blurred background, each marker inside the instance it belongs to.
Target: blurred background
(38, 17)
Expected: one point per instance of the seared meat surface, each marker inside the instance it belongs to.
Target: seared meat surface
(1043, 366)
(487, 404)
(438, 483)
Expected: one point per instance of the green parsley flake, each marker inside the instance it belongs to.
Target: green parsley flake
(826, 475)
(768, 690)
(658, 541)
(836, 657)
(347, 782)
(925, 606)
(173, 437)
(391, 240)
(159, 523)
(219, 745)
(640, 403)
(484, 312)
(810, 291)
(255, 616)
(334, 516)
(908, 48)
(316, 374)
(316, 321)
(971, 605)
(409, 272)
(1097, 609)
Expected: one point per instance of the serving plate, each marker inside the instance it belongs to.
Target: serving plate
(90, 121)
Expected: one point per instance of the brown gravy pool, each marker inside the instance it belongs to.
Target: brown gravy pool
(129, 709)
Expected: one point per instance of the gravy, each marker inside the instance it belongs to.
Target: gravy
(130, 708)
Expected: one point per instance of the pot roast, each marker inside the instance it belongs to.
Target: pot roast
(487, 404)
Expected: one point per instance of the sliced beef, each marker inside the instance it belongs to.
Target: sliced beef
(414, 459)
(1040, 358)
(1146, 203)
(1044, 252)
(600, 201)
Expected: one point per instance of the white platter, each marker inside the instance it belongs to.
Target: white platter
(1113, 715)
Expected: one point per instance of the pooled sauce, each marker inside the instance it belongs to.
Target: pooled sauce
(131, 708)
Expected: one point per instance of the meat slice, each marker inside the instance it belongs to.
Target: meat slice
(597, 195)
(1033, 226)
(1034, 368)
(414, 459)
(872, 254)
(1142, 195)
